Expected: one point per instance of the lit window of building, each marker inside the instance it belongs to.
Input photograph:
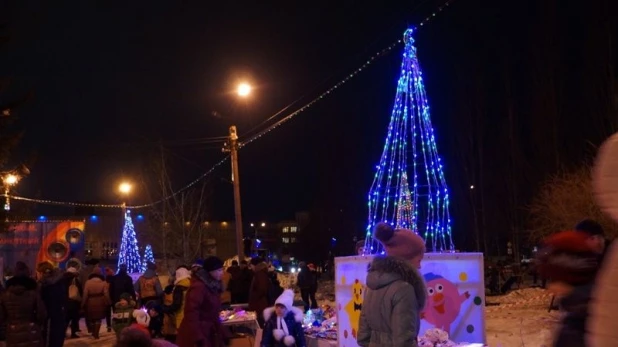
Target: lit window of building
(292, 239)
(285, 239)
(293, 229)
(286, 229)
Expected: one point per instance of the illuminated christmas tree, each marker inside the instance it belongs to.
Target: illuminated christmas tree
(148, 257)
(129, 250)
(410, 152)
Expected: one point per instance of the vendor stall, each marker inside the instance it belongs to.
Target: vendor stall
(244, 327)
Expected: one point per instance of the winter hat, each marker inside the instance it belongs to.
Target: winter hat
(359, 245)
(142, 318)
(282, 333)
(75, 263)
(181, 274)
(311, 267)
(286, 299)
(212, 264)
(109, 271)
(45, 267)
(590, 227)
(72, 270)
(198, 263)
(125, 296)
(256, 260)
(151, 266)
(400, 243)
(21, 270)
(567, 258)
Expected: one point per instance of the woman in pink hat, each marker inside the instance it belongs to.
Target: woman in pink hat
(396, 292)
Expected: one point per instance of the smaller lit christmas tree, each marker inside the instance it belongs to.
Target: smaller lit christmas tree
(129, 250)
(405, 211)
(148, 257)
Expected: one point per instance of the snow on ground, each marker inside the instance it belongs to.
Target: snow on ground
(521, 319)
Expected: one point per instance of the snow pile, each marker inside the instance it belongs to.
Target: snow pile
(517, 296)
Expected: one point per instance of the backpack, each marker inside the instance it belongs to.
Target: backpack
(147, 288)
(74, 291)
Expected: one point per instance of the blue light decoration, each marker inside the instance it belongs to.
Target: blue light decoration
(42, 218)
(409, 189)
(148, 257)
(93, 218)
(140, 217)
(129, 250)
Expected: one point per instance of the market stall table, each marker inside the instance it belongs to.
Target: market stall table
(244, 326)
(318, 342)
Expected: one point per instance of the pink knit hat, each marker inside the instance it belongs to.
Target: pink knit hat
(400, 243)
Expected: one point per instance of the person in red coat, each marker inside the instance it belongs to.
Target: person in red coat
(201, 326)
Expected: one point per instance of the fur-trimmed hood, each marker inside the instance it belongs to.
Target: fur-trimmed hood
(19, 284)
(385, 270)
(295, 311)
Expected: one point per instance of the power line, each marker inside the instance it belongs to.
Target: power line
(207, 140)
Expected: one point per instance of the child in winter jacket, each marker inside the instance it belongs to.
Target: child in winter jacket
(123, 310)
(283, 323)
(571, 264)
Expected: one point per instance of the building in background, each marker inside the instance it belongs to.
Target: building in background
(103, 232)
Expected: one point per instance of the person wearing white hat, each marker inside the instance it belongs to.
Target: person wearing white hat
(283, 323)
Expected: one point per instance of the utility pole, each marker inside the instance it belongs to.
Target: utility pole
(232, 147)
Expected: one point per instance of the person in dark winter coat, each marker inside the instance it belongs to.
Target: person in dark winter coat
(73, 304)
(396, 292)
(571, 264)
(201, 325)
(109, 273)
(54, 288)
(148, 287)
(121, 283)
(283, 326)
(235, 285)
(258, 292)
(22, 312)
(246, 276)
(308, 283)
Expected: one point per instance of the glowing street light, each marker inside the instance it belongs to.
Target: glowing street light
(125, 188)
(243, 90)
(10, 179)
(263, 225)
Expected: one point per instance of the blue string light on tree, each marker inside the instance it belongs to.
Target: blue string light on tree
(409, 189)
(129, 250)
(148, 257)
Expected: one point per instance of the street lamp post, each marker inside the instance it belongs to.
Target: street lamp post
(233, 149)
(243, 90)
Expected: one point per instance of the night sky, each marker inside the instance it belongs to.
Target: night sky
(114, 81)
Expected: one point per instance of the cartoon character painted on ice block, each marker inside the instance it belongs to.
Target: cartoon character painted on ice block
(353, 308)
(443, 302)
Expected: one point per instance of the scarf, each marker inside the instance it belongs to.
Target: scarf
(281, 325)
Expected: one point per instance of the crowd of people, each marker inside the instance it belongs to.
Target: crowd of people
(37, 309)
